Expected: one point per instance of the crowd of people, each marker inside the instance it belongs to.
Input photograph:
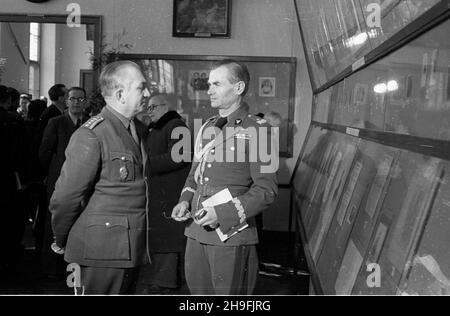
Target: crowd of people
(104, 192)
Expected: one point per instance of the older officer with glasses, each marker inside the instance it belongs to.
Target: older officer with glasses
(165, 181)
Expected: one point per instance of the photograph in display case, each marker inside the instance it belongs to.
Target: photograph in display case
(348, 272)
(333, 195)
(378, 242)
(348, 193)
(425, 70)
(267, 86)
(430, 269)
(377, 188)
(447, 86)
(407, 205)
(198, 84)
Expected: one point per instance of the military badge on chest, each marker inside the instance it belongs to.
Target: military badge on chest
(123, 171)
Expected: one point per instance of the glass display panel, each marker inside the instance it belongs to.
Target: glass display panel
(358, 183)
(408, 92)
(430, 266)
(419, 104)
(338, 33)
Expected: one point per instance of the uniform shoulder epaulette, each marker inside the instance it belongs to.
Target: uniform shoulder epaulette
(93, 122)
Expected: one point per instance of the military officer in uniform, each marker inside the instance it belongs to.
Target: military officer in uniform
(227, 159)
(98, 206)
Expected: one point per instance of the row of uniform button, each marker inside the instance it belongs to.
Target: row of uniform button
(232, 148)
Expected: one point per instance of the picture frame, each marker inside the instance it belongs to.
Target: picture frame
(172, 74)
(202, 18)
(267, 86)
(87, 80)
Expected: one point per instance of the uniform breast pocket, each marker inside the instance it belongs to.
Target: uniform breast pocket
(122, 166)
(107, 238)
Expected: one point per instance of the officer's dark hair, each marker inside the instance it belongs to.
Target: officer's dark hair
(35, 109)
(79, 89)
(109, 80)
(238, 72)
(58, 90)
(15, 96)
(4, 94)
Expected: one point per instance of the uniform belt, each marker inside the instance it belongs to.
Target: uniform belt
(209, 190)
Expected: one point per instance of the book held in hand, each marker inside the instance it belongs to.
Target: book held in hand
(222, 197)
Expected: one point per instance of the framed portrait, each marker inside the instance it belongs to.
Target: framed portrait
(87, 80)
(267, 86)
(185, 79)
(201, 18)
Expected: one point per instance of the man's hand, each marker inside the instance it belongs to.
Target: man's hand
(180, 212)
(209, 219)
(56, 249)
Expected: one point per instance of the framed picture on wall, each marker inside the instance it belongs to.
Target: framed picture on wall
(87, 80)
(201, 18)
(184, 79)
(267, 86)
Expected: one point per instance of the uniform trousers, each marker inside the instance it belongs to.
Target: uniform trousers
(108, 280)
(163, 271)
(219, 270)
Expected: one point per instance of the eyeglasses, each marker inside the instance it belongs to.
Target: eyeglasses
(199, 216)
(152, 107)
(73, 99)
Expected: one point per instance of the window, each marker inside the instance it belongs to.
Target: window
(34, 58)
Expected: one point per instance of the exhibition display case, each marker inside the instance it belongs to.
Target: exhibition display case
(371, 188)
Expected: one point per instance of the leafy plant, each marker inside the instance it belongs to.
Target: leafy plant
(108, 53)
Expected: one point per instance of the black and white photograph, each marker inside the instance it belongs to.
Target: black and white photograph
(267, 86)
(197, 150)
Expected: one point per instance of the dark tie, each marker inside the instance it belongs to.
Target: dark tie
(221, 122)
(132, 130)
(78, 124)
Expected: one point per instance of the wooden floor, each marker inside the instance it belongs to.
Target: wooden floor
(276, 276)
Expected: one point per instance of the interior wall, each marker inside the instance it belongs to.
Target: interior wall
(74, 52)
(258, 28)
(16, 69)
(48, 57)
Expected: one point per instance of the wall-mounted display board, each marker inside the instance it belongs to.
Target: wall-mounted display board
(340, 36)
(371, 188)
(185, 80)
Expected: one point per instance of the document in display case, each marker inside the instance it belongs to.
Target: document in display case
(371, 187)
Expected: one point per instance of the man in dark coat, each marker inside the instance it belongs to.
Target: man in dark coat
(51, 156)
(99, 203)
(57, 135)
(13, 176)
(165, 181)
(57, 94)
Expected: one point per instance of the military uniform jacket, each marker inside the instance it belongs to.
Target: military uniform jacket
(98, 206)
(238, 170)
